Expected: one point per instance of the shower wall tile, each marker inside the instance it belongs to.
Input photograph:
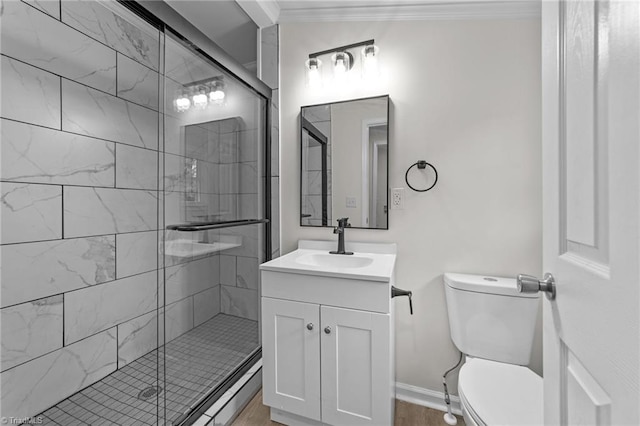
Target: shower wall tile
(115, 27)
(137, 83)
(248, 173)
(175, 171)
(314, 183)
(34, 386)
(30, 212)
(40, 155)
(275, 136)
(96, 308)
(229, 205)
(227, 270)
(206, 305)
(178, 318)
(248, 142)
(196, 142)
(30, 329)
(99, 211)
(248, 205)
(269, 56)
(275, 217)
(40, 40)
(52, 7)
(230, 125)
(29, 94)
(137, 337)
(240, 302)
(136, 252)
(250, 240)
(174, 135)
(190, 278)
(229, 178)
(36, 270)
(247, 275)
(228, 148)
(136, 168)
(93, 113)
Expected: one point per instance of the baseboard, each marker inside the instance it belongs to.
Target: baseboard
(426, 398)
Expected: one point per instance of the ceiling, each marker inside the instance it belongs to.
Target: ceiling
(232, 24)
(224, 22)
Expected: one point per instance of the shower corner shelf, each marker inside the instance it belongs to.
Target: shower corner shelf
(189, 248)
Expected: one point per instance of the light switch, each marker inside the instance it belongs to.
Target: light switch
(351, 203)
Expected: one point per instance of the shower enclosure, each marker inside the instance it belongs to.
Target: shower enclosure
(135, 213)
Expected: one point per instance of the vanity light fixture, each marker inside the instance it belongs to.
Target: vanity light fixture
(342, 61)
(314, 74)
(200, 94)
(200, 98)
(217, 95)
(182, 102)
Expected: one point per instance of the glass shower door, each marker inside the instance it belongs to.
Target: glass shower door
(215, 226)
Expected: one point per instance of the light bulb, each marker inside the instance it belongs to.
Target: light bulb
(182, 103)
(370, 68)
(200, 99)
(341, 66)
(314, 75)
(216, 95)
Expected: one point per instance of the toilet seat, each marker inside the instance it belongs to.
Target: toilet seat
(496, 393)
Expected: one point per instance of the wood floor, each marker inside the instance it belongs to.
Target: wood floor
(256, 414)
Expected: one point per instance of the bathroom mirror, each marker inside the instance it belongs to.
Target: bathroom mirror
(344, 163)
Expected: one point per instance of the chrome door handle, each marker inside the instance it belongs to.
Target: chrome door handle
(310, 326)
(530, 284)
(327, 330)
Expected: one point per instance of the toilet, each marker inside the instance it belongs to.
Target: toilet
(493, 325)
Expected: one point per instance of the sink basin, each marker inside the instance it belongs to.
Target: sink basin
(373, 262)
(334, 260)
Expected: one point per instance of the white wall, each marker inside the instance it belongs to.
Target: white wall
(466, 97)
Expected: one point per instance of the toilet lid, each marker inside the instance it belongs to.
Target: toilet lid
(502, 394)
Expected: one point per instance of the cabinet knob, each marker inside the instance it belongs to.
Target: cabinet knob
(327, 330)
(310, 326)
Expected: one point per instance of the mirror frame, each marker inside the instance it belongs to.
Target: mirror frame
(322, 139)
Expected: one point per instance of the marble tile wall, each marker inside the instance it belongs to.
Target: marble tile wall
(83, 143)
(270, 74)
(80, 201)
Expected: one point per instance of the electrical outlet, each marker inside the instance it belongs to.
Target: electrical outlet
(351, 203)
(397, 198)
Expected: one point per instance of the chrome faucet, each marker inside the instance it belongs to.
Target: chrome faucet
(342, 223)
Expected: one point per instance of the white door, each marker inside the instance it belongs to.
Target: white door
(356, 367)
(291, 356)
(591, 184)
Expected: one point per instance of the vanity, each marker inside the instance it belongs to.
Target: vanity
(327, 335)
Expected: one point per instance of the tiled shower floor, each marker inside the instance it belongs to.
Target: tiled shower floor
(195, 362)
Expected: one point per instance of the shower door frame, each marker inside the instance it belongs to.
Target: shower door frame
(167, 20)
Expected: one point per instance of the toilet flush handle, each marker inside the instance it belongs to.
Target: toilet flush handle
(530, 284)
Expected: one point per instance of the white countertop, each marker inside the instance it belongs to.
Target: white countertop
(383, 258)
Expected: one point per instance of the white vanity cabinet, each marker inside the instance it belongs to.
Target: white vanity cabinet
(327, 348)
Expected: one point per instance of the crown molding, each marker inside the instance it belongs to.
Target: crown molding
(411, 12)
(263, 12)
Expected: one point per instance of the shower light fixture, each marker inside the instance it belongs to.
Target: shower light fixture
(342, 61)
(200, 94)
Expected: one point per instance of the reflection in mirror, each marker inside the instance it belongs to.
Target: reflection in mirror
(344, 163)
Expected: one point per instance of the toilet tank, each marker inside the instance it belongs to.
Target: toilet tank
(489, 319)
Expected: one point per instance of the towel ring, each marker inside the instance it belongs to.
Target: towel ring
(421, 165)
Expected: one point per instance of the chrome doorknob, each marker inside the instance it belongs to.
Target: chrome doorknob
(310, 326)
(327, 330)
(530, 284)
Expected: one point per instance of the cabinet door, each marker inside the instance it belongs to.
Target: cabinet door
(291, 356)
(356, 367)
